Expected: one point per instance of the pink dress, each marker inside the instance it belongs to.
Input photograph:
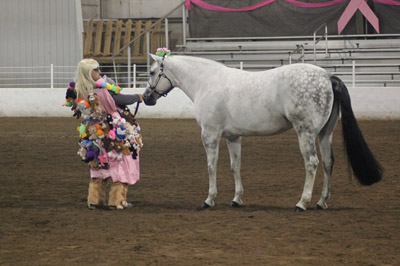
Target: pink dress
(126, 170)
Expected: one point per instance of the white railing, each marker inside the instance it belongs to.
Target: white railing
(53, 76)
(315, 40)
(136, 76)
(37, 76)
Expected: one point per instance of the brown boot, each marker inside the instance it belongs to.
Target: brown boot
(96, 193)
(125, 202)
(116, 196)
(102, 198)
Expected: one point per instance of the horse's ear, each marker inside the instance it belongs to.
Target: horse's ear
(156, 58)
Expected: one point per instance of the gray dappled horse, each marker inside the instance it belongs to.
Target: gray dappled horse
(232, 103)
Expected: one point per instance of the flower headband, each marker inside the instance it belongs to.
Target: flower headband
(163, 51)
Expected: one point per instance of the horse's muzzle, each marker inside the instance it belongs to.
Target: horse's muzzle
(149, 99)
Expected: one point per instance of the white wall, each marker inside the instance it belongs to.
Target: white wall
(110, 9)
(368, 103)
(48, 102)
(35, 34)
(39, 33)
(140, 8)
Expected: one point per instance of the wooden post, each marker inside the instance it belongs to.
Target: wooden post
(136, 43)
(89, 38)
(98, 37)
(107, 39)
(145, 44)
(127, 36)
(117, 37)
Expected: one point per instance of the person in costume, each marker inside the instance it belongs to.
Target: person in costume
(110, 139)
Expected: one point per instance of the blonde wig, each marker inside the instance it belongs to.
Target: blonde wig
(84, 80)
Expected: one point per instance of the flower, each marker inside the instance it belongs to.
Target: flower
(163, 51)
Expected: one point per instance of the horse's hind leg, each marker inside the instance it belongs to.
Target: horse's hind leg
(235, 147)
(325, 147)
(308, 150)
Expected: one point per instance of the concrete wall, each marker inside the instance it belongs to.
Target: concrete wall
(368, 103)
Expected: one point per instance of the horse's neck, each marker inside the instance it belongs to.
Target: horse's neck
(190, 74)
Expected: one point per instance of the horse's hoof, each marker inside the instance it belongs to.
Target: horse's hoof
(235, 204)
(318, 208)
(298, 209)
(205, 206)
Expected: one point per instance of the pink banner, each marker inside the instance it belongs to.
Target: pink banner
(261, 4)
(388, 2)
(315, 5)
(224, 9)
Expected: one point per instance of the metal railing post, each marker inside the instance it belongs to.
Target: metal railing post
(129, 66)
(166, 32)
(315, 48)
(315, 41)
(184, 25)
(134, 76)
(115, 71)
(51, 76)
(148, 50)
(326, 40)
(353, 74)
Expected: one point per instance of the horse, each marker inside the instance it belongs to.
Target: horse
(232, 103)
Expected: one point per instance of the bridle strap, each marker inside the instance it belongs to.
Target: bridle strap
(160, 75)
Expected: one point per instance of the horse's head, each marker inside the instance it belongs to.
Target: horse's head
(159, 84)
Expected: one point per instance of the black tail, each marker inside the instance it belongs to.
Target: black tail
(365, 167)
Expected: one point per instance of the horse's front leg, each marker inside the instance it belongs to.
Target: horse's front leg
(235, 147)
(211, 145)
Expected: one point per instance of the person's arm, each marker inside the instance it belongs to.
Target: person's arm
(126, 99)
(123, 99)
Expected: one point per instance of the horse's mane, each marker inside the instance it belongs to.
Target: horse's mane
(199, 60)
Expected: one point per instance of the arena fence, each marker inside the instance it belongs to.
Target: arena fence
(135, 76)
(53, 76)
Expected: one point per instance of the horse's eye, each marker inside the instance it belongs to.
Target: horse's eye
(152, 73)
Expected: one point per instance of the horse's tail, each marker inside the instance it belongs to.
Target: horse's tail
(365, 167)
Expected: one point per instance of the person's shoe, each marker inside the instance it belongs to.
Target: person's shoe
(128, 206)
(118, 207)
(95, 206)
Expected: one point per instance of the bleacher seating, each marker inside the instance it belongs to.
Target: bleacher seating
(377, 57)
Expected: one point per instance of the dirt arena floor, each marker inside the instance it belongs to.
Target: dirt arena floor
(44, 219)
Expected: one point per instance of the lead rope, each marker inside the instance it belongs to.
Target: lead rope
(137, 108)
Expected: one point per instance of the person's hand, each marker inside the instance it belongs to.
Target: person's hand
(74, 107)
(77, 114)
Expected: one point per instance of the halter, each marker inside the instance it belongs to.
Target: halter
(161, 74)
